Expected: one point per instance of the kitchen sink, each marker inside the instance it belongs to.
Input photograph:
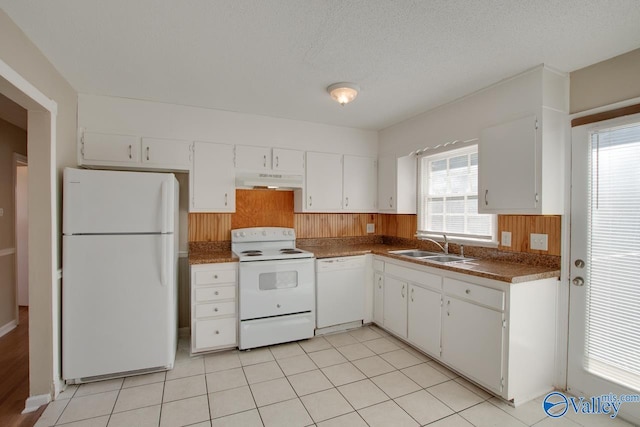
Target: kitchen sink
(446, 258)
(414, 253)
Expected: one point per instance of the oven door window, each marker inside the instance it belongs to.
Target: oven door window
(278, 280)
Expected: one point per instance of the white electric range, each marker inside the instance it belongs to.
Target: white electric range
(276, 285)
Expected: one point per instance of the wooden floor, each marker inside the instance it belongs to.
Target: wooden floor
(14, 375)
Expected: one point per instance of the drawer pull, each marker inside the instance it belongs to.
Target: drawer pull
(278, 305)
(468, 291)
(215, 276)
(216, 293)
(217, 332)
(215, 309)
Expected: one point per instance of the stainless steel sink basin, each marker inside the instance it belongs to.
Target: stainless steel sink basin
(414, 253)
(446, 258)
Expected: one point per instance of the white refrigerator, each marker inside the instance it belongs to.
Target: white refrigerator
(119, 260)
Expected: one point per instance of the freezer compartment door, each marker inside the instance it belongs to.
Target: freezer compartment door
(105, 202)
(118, 304)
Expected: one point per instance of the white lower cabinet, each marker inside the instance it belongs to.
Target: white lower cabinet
(214, 306)
(378, 298)
(472, 341)
(424, 319)
(395, 306)
(499, 335)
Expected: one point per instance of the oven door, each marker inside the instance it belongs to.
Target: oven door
(275, 288)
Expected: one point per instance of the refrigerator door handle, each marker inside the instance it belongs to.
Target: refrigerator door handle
(164, 265)
(165, 207)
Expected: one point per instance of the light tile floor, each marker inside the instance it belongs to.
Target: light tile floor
(362, 377)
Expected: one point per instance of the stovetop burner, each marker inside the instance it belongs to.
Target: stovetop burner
(258, 253)
(252, 251)
(290, 251)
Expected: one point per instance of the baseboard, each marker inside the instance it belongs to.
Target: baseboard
(8, 327)
(34, 402)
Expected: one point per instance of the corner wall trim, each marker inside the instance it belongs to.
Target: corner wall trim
(7, 251)
(5, 329)
(34, 402)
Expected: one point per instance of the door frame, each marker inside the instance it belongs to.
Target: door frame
(562, 342)
(42, 192)
(18, 161)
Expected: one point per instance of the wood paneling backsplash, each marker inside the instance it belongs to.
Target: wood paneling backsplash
(521, 226)
(269, 208)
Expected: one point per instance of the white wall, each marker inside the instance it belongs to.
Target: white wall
(463, 119)
(154, 119)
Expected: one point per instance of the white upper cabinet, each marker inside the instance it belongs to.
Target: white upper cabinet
(212, 181)
(132, 152)
(167, 153)
(253, 158)
(521, 160)
(103, 149)
(359, 184)
(397, 185)
(337, 183)
(323, 182)
(285, 160)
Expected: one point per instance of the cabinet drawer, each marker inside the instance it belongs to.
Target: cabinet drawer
(479, 294)
(216, 309)
(215, 333)
(215, 293)
(378, 265)
(415, 276)
(214, 277)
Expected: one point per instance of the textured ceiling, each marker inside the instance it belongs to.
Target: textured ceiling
(276, 58)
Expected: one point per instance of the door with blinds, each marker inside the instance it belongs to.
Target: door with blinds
(604, 319)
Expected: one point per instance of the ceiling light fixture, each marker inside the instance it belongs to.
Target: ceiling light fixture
(343, 93)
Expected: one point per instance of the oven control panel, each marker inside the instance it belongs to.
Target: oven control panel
(262, 234)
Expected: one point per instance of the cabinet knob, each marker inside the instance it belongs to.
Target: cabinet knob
(215, 309)
(216, 293)
(215, 276)
(468, 291)
(278, 305)
(217, 332)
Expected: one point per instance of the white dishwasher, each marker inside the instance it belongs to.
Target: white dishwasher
(340, 290)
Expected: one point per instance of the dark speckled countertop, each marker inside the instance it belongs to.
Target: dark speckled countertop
(510, 268)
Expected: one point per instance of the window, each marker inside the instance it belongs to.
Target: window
(448, 196)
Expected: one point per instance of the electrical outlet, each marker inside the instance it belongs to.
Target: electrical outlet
(505, 239)
(371, 228)
(539, 242)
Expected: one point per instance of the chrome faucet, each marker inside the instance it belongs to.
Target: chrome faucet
(444, 248)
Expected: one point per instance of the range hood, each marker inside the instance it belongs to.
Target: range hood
(269, 180)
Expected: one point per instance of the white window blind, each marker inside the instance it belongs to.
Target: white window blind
(448, 196)
(613, 276)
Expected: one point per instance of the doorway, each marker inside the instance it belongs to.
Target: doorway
(604, 319)
(21, 217)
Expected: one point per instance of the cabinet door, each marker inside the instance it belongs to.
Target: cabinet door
(212, 181)
(508, 168)
(166, 154)
(472, 340)
(253, 158)
(424, 319)
(378, 299)
(395, 306)
(360, 184)
(287, 160)
(387, 184)
(324, 182)
(107, 149)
